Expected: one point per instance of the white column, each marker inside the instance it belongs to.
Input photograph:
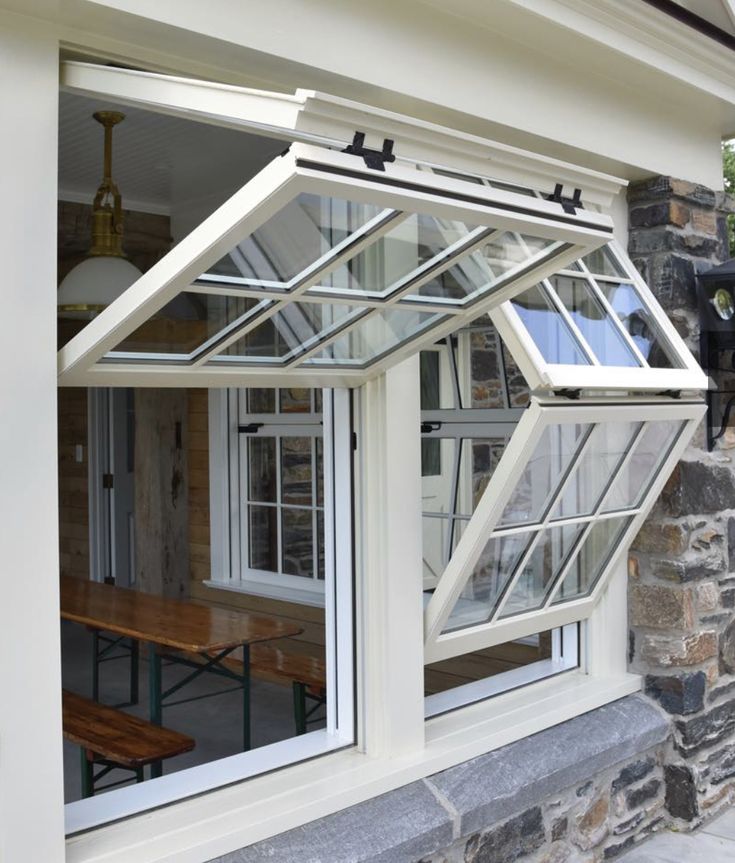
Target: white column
(390, 626)
(31, 781)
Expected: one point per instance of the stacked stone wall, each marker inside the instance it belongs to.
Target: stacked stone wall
(682, 566)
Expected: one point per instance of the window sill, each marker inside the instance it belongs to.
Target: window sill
(270, 591)
(201, 828)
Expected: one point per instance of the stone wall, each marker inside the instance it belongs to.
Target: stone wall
(682, 569)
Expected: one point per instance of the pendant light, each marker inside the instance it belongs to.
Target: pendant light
(105, 273)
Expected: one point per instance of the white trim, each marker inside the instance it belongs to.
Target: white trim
(313, 117)
(266, 588)
(195, 830)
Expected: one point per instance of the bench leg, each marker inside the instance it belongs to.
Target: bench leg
(140, 774)
(299, 706)
(154, 704)
(87, 764)
(246, 742)
(134, 670)
(95, 665)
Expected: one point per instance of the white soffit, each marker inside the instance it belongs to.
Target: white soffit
(319, 118)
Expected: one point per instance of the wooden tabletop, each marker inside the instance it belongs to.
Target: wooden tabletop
(171, 622)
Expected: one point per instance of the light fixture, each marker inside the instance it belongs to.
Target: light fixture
(105, 273)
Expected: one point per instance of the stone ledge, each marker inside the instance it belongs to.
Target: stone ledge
(409, 823)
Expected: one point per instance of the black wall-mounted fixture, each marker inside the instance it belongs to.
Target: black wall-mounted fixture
(716, 297)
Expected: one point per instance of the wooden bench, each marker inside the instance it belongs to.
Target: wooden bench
(113, 739)
(307, 675)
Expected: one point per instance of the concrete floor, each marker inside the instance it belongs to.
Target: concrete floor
(714, 843)
(215, 723)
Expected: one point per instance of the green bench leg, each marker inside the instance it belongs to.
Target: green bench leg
(87, 774)
(299, 706)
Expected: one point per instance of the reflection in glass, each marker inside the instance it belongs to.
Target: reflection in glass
(551, 459)
(542, 568)
(294, 400)
(263, 537)
(188, 321)
(605, 450)
(374, 336)
(652, 449)
(296, 470)
(638, 320)
(588, 314)
(261, 401)
(298, 542)
(548, 329)
(490, 577)
(293, 239)
(595, 553)
(602, 262)
(262, 469)
(430, 400)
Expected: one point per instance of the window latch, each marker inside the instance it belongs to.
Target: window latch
(374, 159)
(427, 427)
(250, 428)
(569, 205)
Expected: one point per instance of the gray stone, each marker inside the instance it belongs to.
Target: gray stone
(680, 694)
(613, 851)
(681, 792)
(721, 765)
(500, 784)
(727, 650)
(398, 827)
(516, 838)
(638, 796)
(633, 773)
(630, 824)
(705, 730)
(697, 487)
(559, 829)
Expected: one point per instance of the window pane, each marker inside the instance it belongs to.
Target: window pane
(595, 552)
(637, 319)
(261, 401)
(296, 470)
(294, 400)
(188, 321)
(542, 568)
(262, 469)
(482, 270)
(374, 336)
(320, 544)
(548, 329)
(547, 466)
(295, 238)
(593, 322)
(601, 262)
(298, 542)
(490, 577)
(605, 450)
(430, 400)
(263, 537)
(653, 448)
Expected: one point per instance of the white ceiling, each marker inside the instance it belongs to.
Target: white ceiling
(161, 164)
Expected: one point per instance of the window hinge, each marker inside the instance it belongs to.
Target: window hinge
(427, 427)
(672, 394)
(374, 159)
(250, 428)
(107, 480)
(568, 394)
(569, 205)
(354, 441)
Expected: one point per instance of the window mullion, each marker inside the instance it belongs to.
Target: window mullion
(570, 322)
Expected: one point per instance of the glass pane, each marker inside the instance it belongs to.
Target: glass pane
(295, 328)
(381, 269)
(605, 450)
(595, 552)
(295, 238)
(296, 470)
(637, 319)
(298, 542)
(188, 321)
(547, 466)
(261, 401)
(601, 262)
(651, 451)
(482, 270)
(489, 579)
(319, 443)
(542, 568)
(293, 400)
(262, 469)
(548, 329)
(263, 537)
(375, 336)
(602, 336)
(320, 544)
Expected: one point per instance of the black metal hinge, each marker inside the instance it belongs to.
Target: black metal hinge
(568, 394)
(250, 428)
(374, 159)
(569, 205)
(107, 480)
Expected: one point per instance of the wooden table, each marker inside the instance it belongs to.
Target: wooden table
(171, 627)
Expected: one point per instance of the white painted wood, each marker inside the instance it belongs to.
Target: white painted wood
(31, 781)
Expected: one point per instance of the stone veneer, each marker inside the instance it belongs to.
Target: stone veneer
(591, 788)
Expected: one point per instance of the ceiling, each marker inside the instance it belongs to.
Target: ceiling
(161, 164)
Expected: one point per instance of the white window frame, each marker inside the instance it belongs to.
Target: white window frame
(229, 569)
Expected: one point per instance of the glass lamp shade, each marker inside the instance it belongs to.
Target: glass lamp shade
(94, 284)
